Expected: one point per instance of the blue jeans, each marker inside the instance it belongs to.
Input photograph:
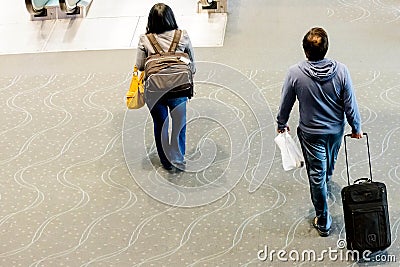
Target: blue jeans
(320, 154)
(169, 150)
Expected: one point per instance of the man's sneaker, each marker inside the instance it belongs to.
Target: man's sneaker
(322, 232)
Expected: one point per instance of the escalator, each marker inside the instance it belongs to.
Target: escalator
(54, 9)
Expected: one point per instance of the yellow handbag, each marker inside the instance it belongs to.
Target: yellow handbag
(135, 95)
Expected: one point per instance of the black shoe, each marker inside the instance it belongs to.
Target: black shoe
(167, 167)
(321, 232)
(179, 165)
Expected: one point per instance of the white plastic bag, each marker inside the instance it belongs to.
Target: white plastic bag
(291, 155)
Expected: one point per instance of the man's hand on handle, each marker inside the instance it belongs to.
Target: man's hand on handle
(357, 135)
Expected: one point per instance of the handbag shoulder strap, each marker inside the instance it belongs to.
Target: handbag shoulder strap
(175, 41)
(155, 44)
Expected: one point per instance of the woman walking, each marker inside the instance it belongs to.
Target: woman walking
(162, 24)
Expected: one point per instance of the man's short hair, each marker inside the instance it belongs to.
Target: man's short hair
(315, 44)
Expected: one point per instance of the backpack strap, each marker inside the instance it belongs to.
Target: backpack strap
(175, 41)
(155, 44)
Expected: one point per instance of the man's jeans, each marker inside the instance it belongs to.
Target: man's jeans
(320, 153)
(173, 151)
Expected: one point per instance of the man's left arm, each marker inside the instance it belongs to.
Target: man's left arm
(351, 107)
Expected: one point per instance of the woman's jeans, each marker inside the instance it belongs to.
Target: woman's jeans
(320, 153)
(170, 150)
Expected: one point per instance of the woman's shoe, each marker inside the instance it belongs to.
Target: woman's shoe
(167, 167)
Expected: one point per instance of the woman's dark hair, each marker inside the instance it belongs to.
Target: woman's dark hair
(315, 44)
(161, 19)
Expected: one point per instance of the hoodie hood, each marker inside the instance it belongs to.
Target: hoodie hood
(321, 71)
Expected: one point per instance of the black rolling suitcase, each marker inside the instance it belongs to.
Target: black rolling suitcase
(366, 215)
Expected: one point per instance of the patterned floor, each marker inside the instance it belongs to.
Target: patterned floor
(82, 185)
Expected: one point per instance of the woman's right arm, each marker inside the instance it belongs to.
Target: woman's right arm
(141, 54)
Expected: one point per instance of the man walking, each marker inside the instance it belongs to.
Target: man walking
(326, 98)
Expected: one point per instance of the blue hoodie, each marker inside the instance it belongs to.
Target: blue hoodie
(325, 93)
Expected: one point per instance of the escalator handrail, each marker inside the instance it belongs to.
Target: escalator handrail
(32, 9)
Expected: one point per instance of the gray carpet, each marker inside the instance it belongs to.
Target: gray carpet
(82, 184)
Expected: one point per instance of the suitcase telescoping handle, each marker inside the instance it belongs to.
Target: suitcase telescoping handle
(347, 163)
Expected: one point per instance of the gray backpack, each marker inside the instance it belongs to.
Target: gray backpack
(168, 73)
